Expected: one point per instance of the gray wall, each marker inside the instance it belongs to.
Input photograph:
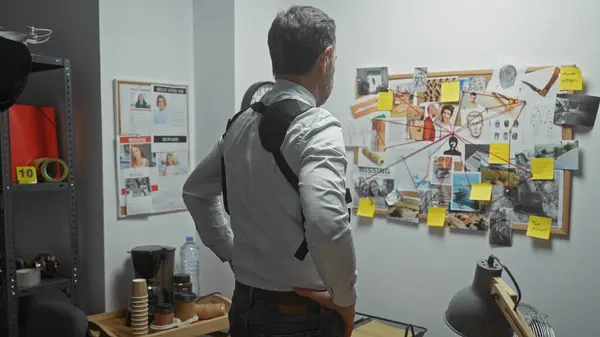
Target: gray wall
(76, 36)
(214, 83)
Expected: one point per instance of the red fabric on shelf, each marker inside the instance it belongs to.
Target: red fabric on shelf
(33, 135)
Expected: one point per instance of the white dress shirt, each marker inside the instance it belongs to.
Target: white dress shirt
(266, 228)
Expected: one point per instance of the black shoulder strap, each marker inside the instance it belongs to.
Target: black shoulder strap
(255, 106)
(272, 129)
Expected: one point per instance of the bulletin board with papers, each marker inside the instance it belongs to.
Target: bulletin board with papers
(473, 150)
(152, 149)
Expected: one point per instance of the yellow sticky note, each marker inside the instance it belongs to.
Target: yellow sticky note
(385, 100)
(570, 79)
(436, 216)
(26, 175)
(481, 192)
(499, 153)
(450, 92)
(366, 208)
(542, 168)
(539, 227)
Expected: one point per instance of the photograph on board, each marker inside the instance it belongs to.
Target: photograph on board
(415, 123)
(469, 100)
(138, 187)
(526, 196)
(447, 117)
(406, 209)
(419, 80)
(506, 80)
(140, 100)
(565, 154)
(465, 178)
(172, 163)
(501, 176)
(501, 227)
(441, 169)
(372, 80)
(433, 90)
(476, 84)
(467, 221)
(539, 197)
(369, 184)
(476, 156)
(430, 131)
(169, 115)
(135, 152)
(138, 195)
(434, 196)
(134, 108)
(403, 97)
(576, 109)
(461, 191)
(461, 201)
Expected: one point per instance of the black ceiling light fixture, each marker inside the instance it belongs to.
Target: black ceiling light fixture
(15, 67)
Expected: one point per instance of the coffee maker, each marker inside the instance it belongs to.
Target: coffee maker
(156, 264)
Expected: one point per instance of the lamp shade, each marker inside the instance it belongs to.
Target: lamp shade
(472, 312)
(15, 66)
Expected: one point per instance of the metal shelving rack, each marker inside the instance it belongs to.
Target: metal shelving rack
(9, 313)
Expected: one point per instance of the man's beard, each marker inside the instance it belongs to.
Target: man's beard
(327, 84)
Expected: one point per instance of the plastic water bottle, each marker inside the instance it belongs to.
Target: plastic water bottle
(189, 255)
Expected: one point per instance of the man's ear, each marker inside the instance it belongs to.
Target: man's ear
(325, 58)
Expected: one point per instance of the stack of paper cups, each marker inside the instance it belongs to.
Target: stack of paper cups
(139, 307)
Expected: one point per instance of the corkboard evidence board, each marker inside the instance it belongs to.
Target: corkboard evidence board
(567, 134)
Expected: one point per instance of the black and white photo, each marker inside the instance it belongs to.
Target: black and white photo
(434, 196)
(372, 80)
(501, 227)
(375, 188)
(576, 109)
(138, 187)
(526, 196)
(476, 156)
(420, 79)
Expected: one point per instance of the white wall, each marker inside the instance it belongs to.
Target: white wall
(409, 273)
(149, 40)
(214, 75)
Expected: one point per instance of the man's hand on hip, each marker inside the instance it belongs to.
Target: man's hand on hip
(323, 298)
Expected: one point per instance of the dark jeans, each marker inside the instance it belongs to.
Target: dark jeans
(253, 317)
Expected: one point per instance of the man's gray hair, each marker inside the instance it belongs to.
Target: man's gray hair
(297, 37)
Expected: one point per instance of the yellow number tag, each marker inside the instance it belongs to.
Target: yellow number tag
(26, 175)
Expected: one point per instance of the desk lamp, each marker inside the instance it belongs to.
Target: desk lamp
(488, 307)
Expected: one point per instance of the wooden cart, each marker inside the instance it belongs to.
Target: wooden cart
(112, 324)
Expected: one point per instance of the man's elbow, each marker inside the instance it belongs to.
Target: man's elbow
(329, 234)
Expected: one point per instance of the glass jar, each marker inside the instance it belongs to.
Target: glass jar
(185, 305)
(182, 283)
